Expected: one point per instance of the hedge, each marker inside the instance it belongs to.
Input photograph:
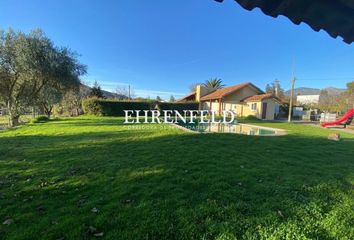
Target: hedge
(106, 107)
(103, 107)
(178, 106)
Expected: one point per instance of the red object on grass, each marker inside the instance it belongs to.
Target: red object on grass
(346, 116)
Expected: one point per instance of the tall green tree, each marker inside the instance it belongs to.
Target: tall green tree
(71, 102)
(269, 88)
(275, 89)
(69, 71)
(331, 103)
(96, 90)
(172, 99)
(214, 83)
(349, 95)
(30, 62)
(48, 97)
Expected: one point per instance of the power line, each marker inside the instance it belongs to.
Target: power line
(321, 79)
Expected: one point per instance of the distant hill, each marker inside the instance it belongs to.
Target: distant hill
(86, 90)
(315, 91)
(304, 91)
(334, 91)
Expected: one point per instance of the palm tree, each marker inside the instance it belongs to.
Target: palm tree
(214, 83)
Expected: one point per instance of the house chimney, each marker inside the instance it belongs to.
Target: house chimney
(276, 87)
(198, 94)
(201, 91)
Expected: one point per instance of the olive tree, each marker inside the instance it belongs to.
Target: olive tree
(67, 74)
(30, 64)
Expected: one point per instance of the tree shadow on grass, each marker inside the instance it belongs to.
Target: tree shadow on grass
(176, 186)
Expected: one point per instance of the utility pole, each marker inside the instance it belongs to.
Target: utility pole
(129, 92)
(291, 99)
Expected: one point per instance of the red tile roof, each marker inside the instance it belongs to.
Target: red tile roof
(220, 93)
(256, 98)
(189, 97)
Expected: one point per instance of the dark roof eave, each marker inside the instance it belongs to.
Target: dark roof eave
(261, 99)
(221, 97)
(334, 17)
(186, 97)
(249, 84)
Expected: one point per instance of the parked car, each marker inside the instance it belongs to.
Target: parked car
(315, 117)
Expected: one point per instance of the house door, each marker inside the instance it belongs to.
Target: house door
(264, 110)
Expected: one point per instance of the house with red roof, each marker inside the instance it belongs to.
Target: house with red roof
(244, 99)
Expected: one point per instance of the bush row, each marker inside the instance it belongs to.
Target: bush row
(178, 106)
(105, 107)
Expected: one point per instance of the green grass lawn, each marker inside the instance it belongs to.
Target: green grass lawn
(77, 178)
(4, 120)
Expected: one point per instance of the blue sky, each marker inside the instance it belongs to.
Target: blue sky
(161, 47)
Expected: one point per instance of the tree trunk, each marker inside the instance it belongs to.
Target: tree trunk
(14, 117)
(33, 112)
(49, 112)
(14, 121)
(47, 109)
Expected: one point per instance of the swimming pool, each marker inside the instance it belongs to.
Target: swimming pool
(236, 128)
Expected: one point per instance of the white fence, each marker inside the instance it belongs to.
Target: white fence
(328, 117)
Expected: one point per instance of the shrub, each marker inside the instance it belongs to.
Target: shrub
(105, 107)
(40, 119)
(248, 118)
(251, 117)
(93, 106)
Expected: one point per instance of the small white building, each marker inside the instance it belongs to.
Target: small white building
(307, 99)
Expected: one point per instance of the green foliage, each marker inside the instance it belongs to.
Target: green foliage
(48, 97)
(93, 106)
(275, 89)
(96, 91)
(348, 96)
(162, 183)
(105, 107)
(214, 83)
(29, 63)
(70, 104)
(332, 103)
(248, 118)
(172, 99)
(178, 106)
(40, 119)
(350, 88)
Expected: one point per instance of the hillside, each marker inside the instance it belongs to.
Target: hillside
(86, 91)
(315, 91)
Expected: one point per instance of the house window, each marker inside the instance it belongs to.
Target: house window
(254, 106)
(232, 107)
